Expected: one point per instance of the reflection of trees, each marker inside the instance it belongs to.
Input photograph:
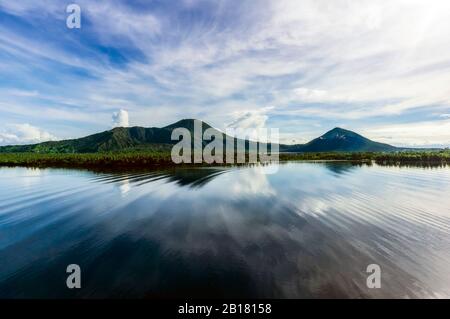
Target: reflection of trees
(340, 168)
(412, 164)
(192, 177)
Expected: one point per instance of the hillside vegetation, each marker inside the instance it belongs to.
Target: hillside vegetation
(142, 147)
(163, 158)
(154, 138)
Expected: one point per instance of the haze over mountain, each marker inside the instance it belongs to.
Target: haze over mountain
(132, 138)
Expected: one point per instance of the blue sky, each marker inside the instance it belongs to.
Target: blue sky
(381, 68)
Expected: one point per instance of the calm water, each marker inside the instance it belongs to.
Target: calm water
(310, 230)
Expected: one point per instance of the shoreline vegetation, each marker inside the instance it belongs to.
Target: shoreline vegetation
(162, 159)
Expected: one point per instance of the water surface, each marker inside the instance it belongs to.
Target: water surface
(308, 231)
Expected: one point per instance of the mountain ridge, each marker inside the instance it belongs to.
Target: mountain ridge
(127, 138)
(342, 140)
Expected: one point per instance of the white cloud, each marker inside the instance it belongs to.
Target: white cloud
(111, 20)
(366, 54)
(247, 124)
(419, 134)
(363, 54)
(311, 95)
(252, 119)
(30, 7)
(24, 134)
(120, 118)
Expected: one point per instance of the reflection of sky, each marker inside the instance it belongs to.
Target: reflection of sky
(238, 183)
(124, 187)
(307, 231)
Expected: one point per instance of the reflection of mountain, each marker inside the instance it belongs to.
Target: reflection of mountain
(191, 177)
(159, 139)
(194, 177)
(340, 168)
(302, 233)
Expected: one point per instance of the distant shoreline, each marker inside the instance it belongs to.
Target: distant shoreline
(155, 160)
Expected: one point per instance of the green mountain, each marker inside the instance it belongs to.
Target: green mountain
(117, 139)
(340, 140)
(154, 138)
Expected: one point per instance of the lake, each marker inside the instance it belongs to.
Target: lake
(308, 231)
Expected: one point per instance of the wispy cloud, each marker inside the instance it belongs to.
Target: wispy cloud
(225, 62)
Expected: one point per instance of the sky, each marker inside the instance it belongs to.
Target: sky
(377, 67)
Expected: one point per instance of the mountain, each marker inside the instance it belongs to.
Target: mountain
(154, 138)
(117, 139)
(340, 140)
(113, 140)
(186, 123)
